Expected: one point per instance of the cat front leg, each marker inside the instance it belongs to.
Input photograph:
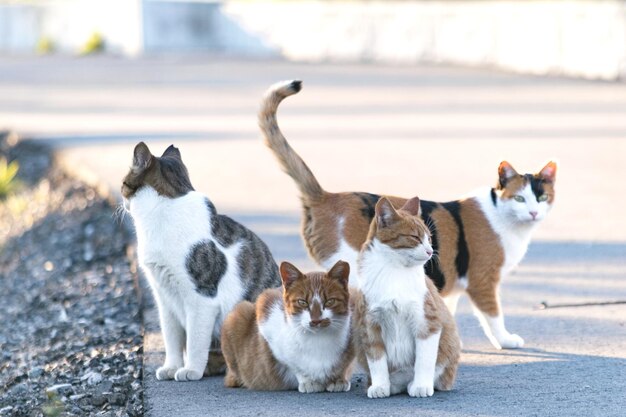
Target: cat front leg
(488, 309)
(426, 350)
(174, 339)
(307, 385)
(376, 356)
(200, 324)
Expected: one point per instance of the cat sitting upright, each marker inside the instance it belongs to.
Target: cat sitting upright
(478, 240)
(199, 263)
(300, 337)
(406, 336)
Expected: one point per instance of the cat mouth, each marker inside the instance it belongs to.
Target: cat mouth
(319, 324)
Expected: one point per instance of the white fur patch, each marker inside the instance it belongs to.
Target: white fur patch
(167, 229)
(311, 355)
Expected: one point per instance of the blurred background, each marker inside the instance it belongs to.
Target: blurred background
(399, 97)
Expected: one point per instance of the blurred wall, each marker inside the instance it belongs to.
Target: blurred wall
(584, 38)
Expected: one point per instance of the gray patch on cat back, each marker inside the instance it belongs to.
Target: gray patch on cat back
(257, 268)
(207, 265)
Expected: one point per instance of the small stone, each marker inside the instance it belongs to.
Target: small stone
(48, 266)
(19, 389)
(116, 398)
(6, 410)
(98, 400)
(104, 386)
(62, 389)
(92, 378)
(35, 372)
(89, 229)
(77, 397)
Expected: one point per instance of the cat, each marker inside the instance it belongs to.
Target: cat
(477, 240)
(406, 336)
(299, 337)
(199, 263)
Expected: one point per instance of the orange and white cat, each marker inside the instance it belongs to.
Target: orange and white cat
(478, 240)
(405, 335)
(297, 338)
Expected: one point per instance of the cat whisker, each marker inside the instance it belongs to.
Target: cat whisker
(119, 213)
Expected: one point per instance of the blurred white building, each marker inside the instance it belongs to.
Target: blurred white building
(585, 38)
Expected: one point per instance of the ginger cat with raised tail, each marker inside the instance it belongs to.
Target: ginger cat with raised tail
(298, 338)
(406, 336)
(477, 240)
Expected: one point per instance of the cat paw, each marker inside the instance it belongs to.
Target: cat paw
(185, 374)
(165, 373)
(310, 387)
(511, 341)
(338, 386)
(378, 391)
(420, 390)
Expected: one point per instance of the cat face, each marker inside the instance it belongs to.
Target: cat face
(402, 233)
(316, 300)
(167, 175)
(525, 198)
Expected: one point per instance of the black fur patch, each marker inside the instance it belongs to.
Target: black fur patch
(257, 268)
(462, 255)
(494, 197)
(536, 184)
(369, 204)
(432, 266)
(207, 265)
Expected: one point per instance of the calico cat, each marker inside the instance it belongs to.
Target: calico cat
(296, 338)
(199, 263)
(406, 336)
(478, 240)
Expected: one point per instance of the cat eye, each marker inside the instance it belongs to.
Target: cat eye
(302, 303)
(519, 198)
(329, 303)
(543, 197)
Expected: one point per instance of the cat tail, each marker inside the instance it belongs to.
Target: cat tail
(290, 161)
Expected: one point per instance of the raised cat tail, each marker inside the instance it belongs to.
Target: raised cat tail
(291, 162)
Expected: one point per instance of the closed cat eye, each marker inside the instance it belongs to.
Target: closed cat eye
(302, 303)
(543, 197)
(329, 303)
(519, 198)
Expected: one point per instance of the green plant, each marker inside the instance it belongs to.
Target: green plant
(44, 45)
(94, 44)
(8, 171)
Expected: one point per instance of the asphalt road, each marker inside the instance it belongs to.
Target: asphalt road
(428, 131)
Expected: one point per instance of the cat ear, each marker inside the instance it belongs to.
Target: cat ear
(412, 206)
(506, 172)
(385, 213)
(548, 172)
(341, 272)
(172, 151)
(142, 158)
(289, 274)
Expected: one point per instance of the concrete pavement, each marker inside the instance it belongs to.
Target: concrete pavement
(435, 132)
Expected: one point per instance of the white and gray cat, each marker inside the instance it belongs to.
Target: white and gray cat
(199, 263)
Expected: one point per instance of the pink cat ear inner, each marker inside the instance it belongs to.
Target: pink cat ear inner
(289, 274)
(412, 206)
(142, 157)
(385, 213)
(341, 272)
(548, 172)
(506, 172)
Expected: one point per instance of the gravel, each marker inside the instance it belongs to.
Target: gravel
(71, 333)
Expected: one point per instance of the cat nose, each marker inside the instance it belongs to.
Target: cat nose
(429, 252)
(533, 214)
(315, 323)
